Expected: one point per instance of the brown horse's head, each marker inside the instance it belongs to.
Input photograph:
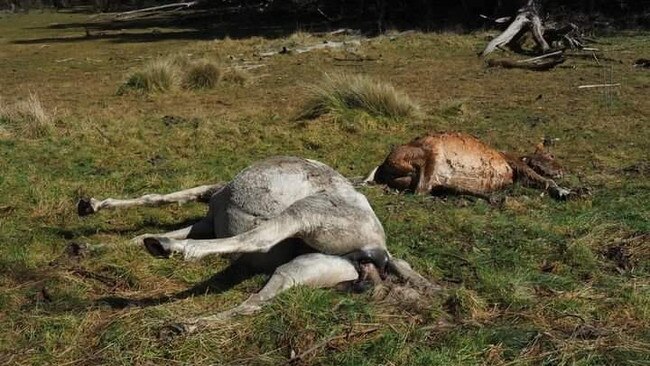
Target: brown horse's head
(400, 170)
(544, 163)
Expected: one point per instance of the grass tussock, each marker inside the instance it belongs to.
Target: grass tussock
(27, 117)
(165, 74)
(237, 76)
(202, 75)
(340, 93)
(157, 76)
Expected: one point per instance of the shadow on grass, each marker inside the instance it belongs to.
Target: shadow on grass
(85, 231)
(246, 267)
(219, 283)
(196, 25)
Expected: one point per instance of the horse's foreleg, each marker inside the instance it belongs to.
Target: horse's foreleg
(530, 178)
(88, 206)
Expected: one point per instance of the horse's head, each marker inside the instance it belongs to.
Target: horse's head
(544, 163)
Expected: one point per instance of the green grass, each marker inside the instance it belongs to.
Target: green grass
(527, 283)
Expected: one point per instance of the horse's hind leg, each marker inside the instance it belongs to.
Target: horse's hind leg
(315, 270)
(203, 229)
(88, 206)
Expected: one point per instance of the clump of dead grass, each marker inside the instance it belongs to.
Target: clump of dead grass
(202, 74)
(27, 117)
(165, 74)
(159, 75)
(339, 93)
(237, 76)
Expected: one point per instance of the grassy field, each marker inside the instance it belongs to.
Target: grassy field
(534, 281)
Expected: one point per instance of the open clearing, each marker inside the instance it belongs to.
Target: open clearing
(534, 281)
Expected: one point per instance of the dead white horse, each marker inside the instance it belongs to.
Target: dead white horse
(297, 215)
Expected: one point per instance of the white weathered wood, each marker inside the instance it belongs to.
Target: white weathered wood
(504, 38)
(599, 86)
(532, 59)
(538, 30)
(156, 8)
(320, 46)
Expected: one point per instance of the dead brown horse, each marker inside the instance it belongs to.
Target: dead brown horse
(460, 163)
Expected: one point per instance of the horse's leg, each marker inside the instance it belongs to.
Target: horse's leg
(530, 178)
(203, 229)
(315, 270)
(88, 206)
(403, 270)
(327, 222)
(257, 240)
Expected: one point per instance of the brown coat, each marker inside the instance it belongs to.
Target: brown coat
(461, 163)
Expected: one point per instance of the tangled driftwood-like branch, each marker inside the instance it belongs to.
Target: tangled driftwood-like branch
(528, 20)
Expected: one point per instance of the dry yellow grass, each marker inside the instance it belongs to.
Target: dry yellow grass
(157, 76)
(202, 74)
(27, 117)
(237, 76)
(337, 93)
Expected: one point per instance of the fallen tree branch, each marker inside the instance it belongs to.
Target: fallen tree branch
(540, 57)
(355, 59)
(538, 30)
(248, 67)
(598, 86)
(320, 46)
(157, 8)
(528, 20)
(504, 38)
(509, 64)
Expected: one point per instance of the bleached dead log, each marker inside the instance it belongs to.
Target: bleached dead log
(537, 29)
(160, 7)
(249, 67)
(598, 86)
(509, 64)
(526, 19)
(320, 46)
(532, 59)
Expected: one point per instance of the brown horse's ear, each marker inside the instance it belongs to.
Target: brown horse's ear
(540, 148)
